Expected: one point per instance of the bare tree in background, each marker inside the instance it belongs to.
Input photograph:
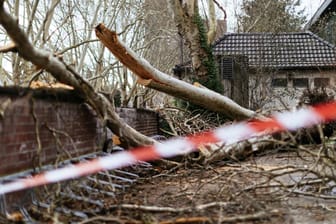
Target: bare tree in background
(66, 28)
(270, 16)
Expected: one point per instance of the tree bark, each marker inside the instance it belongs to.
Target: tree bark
(212, 22)
(153, 78)
(185, 15)
(63, 73)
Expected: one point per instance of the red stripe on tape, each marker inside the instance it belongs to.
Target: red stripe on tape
(39, 179)
(86, 168)
(145, 153)
(326, 111)
(268, 125)
(203, 138)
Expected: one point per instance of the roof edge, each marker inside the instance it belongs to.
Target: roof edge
(321, 39)
(282, 33)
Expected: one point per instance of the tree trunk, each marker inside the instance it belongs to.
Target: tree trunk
(187, 19)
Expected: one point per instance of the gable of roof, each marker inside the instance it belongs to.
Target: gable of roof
(281, 50)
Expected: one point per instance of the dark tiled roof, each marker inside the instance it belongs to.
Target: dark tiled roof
(283, 50)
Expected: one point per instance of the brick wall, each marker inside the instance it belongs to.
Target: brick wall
(39, 127)
(144, 121)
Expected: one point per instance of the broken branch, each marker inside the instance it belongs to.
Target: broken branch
(11, 47)
(160, 81)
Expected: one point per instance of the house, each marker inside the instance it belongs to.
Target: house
(323, 22)
(271, 71)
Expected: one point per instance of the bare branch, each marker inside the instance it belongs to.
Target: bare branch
(48, 19)
(76, 45)
(221, 8)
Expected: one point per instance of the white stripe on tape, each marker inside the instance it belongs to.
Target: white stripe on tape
(174, 147)
(14, 186)
(117, 160)
(298, 119)
(234, 133)
(68, 172)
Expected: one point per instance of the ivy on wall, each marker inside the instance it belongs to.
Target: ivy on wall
(211, 80)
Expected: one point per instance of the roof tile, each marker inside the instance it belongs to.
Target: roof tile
(282, 50)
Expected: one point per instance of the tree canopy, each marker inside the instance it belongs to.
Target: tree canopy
(271, 16)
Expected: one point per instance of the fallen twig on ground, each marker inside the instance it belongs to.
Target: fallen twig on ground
(188, 220)
(315, 195)
(250, 217)
(170, 209)
(105, 219)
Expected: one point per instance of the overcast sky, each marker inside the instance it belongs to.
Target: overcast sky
(233, 6)
(311, 6)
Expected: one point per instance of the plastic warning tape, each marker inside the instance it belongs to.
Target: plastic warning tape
(228, 134)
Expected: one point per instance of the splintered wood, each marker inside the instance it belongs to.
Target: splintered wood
(58, 85)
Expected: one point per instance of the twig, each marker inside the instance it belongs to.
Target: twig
(298, 184)
(221, 8)
(35, 76)
(37, 130)
(167, 172)
(170, 209)
(76, 45)
(103, 218)
(59, 143)
(250, 217)
(316, 195)
(188, 220)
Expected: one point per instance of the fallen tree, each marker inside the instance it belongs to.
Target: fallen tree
(155, 79)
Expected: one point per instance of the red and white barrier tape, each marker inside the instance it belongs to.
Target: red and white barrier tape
(227, 134)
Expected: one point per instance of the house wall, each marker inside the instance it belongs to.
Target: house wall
(263, 95)
(234, 77)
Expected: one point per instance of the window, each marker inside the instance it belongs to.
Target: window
(279, 83)
(226, 67)
(300, 83)
(321, 82)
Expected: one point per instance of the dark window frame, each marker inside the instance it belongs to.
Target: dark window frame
(226, 68)
(321, 82)
(279, 82)
(300, 82)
